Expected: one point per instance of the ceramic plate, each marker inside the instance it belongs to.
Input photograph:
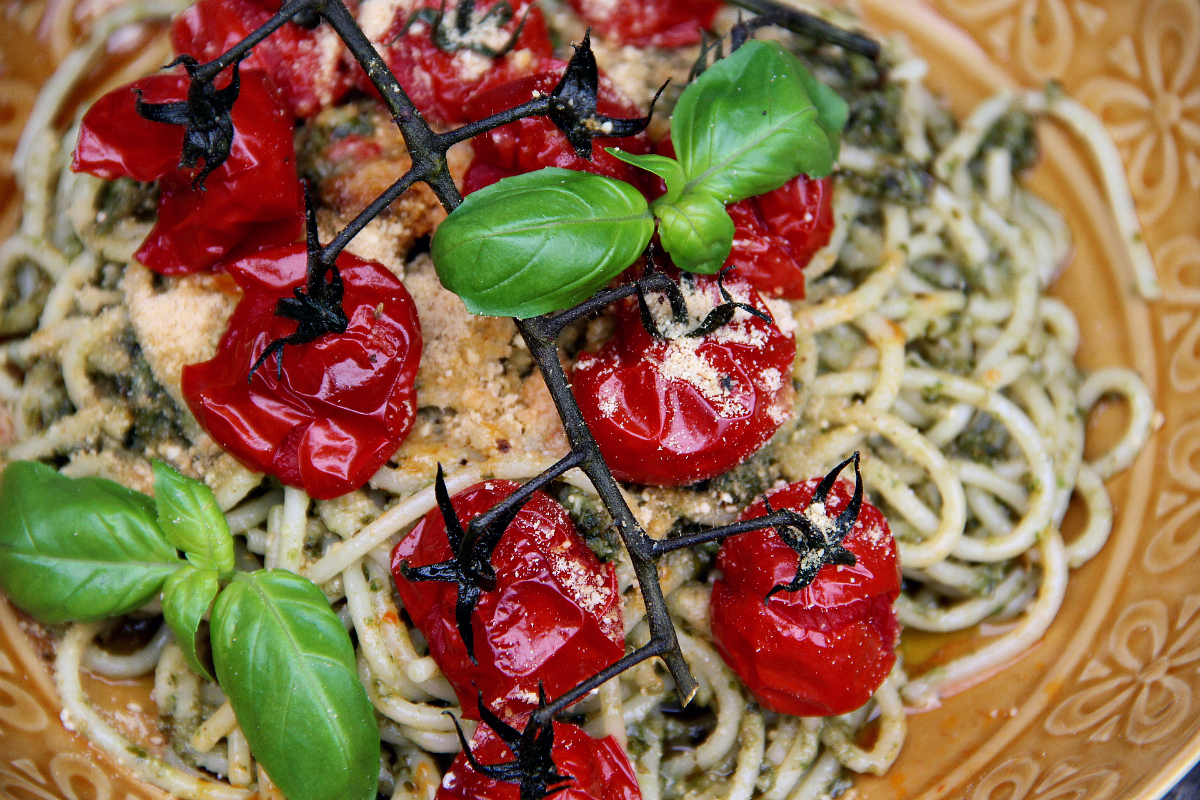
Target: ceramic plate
(1105, 707)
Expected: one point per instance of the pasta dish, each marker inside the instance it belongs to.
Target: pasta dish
(915, 346)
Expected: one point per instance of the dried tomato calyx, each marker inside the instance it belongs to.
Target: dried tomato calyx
(206, 116)
(317, 308)
(816, 538)
(532, 768)
(468, 30)
(470, 569)
(719, 316)
(573, 104)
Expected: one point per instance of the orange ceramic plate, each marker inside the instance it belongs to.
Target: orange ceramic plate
(1105, 708)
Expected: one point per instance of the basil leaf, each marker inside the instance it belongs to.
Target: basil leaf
(670, 170)
(832, 110)
(540, 242)
(747, 125)
(287, 666)
(190, 517)
(696, 230)
(186, 597)
(80, 549)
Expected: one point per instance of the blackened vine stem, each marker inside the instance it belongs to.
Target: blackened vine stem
(427, 150)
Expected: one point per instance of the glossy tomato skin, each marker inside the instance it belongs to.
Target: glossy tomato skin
(307, 68)
(649, 23)
(599, 768)
(441, 83)
(671, 413)
(554, 617)
(345, 401)
(532, 143)
(820, 651)
(777, 233)
(251, 201)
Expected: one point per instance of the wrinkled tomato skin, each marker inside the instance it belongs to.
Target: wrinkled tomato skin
(649, 23)
(441, 83)
(821, 651)
(345, 401)
(251, 201)
(599, 768)
(305, 67)
(777, 233)
(554, 617)
(532, 143)
(664, 416)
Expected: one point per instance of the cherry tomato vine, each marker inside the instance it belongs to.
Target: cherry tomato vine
(695, 189)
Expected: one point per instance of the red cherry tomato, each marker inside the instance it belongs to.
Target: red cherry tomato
(308, 68)
(777, 233)
(649, 23)
(669, 413)
(345, 401)
(554, 617)
(440, 82)
(251, 201)
(825, 649)
(532, 143)
(598, 768)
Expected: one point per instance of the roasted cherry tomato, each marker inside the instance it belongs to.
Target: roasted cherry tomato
(534, 142)
(250, 201)
(344, 401)
(442, 72)
(669, 412)
(598, 769)
(777, 233)
(307, 68)
(649, 23)
(554, 617)
(822, 650)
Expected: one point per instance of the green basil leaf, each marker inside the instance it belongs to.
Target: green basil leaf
(696, 230)
(747, 125)
(80, 549)
(666, 168)
(832, 110)
(190, 517)
(287, 666)
(186, 597)
(540, 242)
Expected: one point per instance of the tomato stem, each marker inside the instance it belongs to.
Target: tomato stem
(802, 22)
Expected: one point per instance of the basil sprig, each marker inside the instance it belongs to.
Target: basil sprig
(544, 241)
(80, 549)
(87, 548)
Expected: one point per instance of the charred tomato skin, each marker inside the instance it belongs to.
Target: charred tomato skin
(598, 768)
(554, 616)
(822, 650)
(343, 402)
(674, 412)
